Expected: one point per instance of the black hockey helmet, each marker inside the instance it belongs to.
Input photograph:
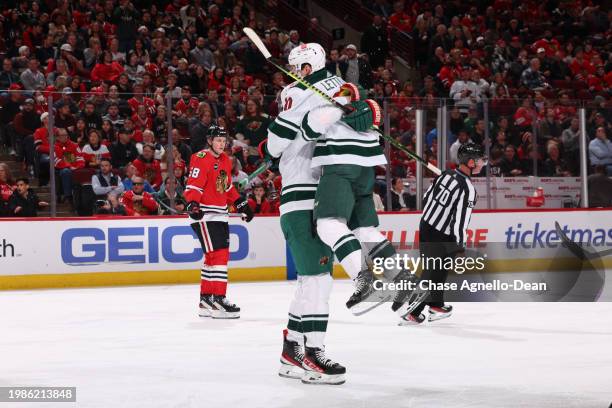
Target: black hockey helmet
(470, 151)
(216, 131)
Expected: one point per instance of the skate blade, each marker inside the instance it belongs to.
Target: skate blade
(407, 308)
(217, 314)
(204, 312)
(404, 322)
(311, 377)
(364, 307)
(439, 316)
(290, 371)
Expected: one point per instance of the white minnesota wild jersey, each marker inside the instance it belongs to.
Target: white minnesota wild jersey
(287, 139)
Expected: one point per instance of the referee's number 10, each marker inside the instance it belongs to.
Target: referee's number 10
(443, 196)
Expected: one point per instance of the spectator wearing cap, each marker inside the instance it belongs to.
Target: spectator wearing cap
(532, 78)
(66, 99)
(123, 151)
(8, 77)
(63, 117)
(600, 150)
(68, 158)
(24, 125)
(32, 79)
(358, 69)
(137, 201)
(292, 42)
(24, 202)
(42, 146)
(105, 182)
(201, 55)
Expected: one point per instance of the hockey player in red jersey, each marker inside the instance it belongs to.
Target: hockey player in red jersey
(209, 192)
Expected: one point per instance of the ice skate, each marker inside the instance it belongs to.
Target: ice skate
(223, 308)
(205, 306)
(365, 297)
(291, 359)
(406, 300)
(439, 313)
(411, 320)
(318, 369)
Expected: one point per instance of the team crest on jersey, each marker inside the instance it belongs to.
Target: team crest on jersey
(222, 182)
(201, 154)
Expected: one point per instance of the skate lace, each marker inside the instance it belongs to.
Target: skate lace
(298, 352)
(223, 300)
(362, 282)
(320, 354)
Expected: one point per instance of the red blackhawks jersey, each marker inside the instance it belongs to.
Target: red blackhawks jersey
(210, 184)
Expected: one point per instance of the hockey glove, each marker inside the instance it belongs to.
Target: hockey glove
(365, 115)
(242, 206)
(352, 91)
(193, 209)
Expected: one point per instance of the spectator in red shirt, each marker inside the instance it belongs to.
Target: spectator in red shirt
(68, 158)
(148, 167)
(106, 69)
(7, 186)
(140, 99)
(186, 102)
(400, 19)
(258, 201)
(138, 202)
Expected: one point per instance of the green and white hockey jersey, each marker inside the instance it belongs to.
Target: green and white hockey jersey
(287, 139)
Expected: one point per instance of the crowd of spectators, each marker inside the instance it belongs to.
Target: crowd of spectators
(123, 76)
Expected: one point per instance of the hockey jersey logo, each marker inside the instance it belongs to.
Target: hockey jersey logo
(222, 182)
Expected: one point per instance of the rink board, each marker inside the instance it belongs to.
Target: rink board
(70, 252)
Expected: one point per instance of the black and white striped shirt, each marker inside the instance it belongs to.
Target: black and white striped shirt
(448, 204)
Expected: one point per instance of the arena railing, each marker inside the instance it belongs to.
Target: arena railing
(429, 126)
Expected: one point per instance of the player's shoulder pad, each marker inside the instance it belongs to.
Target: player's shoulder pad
(201, 154)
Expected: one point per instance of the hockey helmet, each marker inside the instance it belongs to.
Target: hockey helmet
(216, 131)
(310, 53)
(469, 151)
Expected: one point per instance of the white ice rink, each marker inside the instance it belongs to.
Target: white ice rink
(146, 347)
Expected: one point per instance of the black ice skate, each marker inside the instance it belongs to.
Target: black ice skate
(406, 300)
(206, 306)
(291, 359)
(411, 320)
(365, 297)
(319, 369)
(223, 309)
(438, 313)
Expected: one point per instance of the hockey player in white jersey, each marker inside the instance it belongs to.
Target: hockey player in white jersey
(303, 354)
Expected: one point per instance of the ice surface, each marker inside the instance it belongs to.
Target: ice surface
(146, 347)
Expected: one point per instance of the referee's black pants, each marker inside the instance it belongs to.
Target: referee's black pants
(434, 244)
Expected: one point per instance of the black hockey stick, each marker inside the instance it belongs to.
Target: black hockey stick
(345, 108)
(578, 250)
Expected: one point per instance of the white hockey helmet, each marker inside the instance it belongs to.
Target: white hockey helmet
(310, 53)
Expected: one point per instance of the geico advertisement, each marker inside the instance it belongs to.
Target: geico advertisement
(129, 244)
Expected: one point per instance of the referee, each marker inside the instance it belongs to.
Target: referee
(442, 232)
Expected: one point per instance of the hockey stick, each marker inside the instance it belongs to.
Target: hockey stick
(345, 108)
(578, 250)
(263, 167)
